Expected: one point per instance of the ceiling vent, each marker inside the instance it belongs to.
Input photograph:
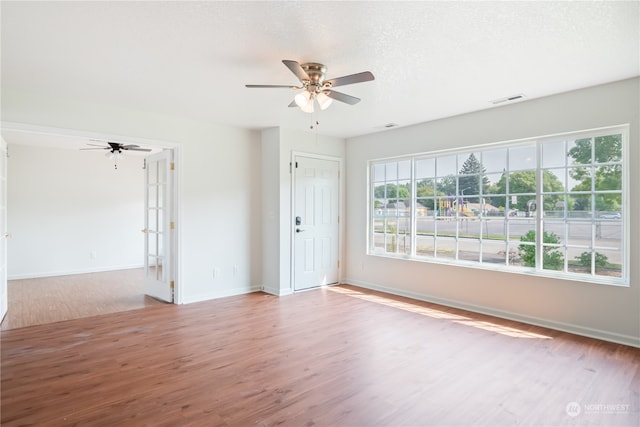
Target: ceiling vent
(508, 99)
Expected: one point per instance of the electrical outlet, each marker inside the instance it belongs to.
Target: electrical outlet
(216, 272)
(236, 270)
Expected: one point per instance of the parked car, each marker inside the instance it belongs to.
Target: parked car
(611, 215)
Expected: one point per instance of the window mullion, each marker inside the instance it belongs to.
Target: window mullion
(539, 208)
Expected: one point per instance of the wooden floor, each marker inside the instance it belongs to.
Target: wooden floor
(52, 299)
(339, 356)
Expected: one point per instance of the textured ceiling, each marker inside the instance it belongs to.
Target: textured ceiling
(430, 59)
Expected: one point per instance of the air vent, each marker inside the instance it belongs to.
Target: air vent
(508, 99)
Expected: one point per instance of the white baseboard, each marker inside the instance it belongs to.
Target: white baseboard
(277, 291)
(71, 272)
(551, 324)
(221, 294)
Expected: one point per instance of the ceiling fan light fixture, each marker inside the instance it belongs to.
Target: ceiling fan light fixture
(323, 100)
(302, 98)
(308, 107)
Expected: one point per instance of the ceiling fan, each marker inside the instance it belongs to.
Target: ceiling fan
(114, 149)
(315, 87)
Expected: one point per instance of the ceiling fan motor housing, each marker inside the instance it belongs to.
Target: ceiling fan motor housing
(316, 73)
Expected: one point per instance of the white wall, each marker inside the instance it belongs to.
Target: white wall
(219, 224)
(278, 145)
(64, 205)
(608, 312)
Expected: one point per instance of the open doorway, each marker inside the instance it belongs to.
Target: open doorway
(77, 219)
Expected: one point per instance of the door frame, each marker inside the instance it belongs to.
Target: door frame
(177, 178)
(4, 233)
(341, 213)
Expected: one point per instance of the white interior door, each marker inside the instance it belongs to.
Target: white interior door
(158, 227)
(315, 222)
(3, 228)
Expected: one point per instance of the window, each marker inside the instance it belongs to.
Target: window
(549, 206)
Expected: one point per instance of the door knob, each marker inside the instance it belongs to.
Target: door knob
(144, 230)
(299, 230)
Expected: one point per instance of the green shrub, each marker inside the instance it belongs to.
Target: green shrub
(600, 260)
(552, 258)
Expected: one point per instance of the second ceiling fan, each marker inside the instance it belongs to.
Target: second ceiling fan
(315, 86)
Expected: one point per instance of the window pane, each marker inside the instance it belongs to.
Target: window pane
(553, 180)
(495, 160)
(608, 263)
(404, 189)
(519, 227)
(526, 253)
(553, 258)
(425, 168)
(446, 165)
(554, 206)
(469, 250)
(579, 152)
(579, 178)
(404, 235)
(579, 233)
(522, 158)
(493, 252)
(469, 227)
(494, 228)
(391, 171)
(469, 187)
(515, 258)
(446, 248)
(494, 206)
(609, 205)
(553, 154)
(380, 191)
(608, 178)
(378, 172)
(579, 206)
(608, 148)
(425, 207)
(609, 233)
(404, 169)
(425, 245)
(446, 186)
(425, 226)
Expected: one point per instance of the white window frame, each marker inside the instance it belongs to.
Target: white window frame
(622, 280)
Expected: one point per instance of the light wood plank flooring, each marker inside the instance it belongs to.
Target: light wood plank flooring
(53, 299)
(340, 356)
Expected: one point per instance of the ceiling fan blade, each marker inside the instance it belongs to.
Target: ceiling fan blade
(137, 149)
(103, 148)
(296, 69)
(339, 96)
(365, 76)
(272, 86)
(129, 146)
(96, 145)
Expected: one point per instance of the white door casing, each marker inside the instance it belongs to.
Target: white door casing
(315, 221)
(3, 229)
(158, 226)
